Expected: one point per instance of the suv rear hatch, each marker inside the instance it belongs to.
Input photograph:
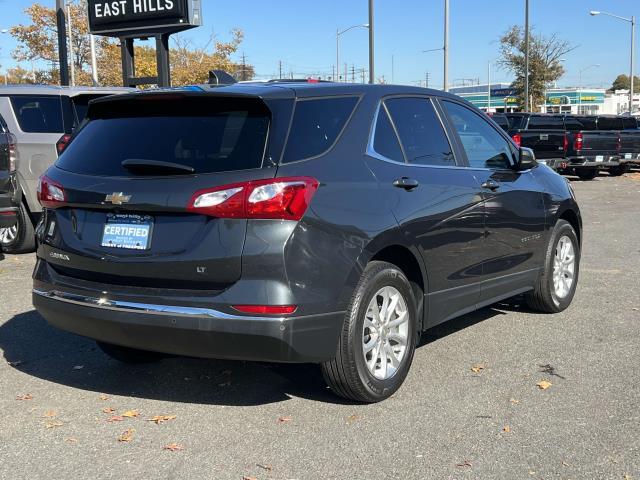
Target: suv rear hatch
(118, 198)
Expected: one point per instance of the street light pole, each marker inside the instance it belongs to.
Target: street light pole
(372, 77)
(446, 46)
(632, 21)
(62, 43)
(526, 56)
(94, 62)
(338, 33)
(488, 86)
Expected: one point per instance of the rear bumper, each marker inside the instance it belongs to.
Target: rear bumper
(629, 157)
(189, 331)
(594, 161)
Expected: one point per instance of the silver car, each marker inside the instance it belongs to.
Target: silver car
(39, 116)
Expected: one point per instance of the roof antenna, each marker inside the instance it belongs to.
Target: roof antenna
(220, 77)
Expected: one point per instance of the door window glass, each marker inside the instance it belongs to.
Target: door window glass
(385, 141)
(38, 114)
(420, 131)
(484, 146)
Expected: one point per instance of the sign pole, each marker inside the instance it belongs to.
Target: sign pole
(62, 43)
(162, 55)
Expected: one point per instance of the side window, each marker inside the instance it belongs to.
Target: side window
(484, 146)
(316, 125)
(420, 131)
(385, 141)
(38, 114)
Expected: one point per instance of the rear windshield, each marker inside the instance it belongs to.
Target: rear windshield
(316, 126)
(610, 123)
(81, 105)
(502, 121)
(545, 123)
(38, 114)
(629, 122)
(516, 121)
(587, 123)
(208, 136)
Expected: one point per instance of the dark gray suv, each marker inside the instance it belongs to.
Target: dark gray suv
(295, 222)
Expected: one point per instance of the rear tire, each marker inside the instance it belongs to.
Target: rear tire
(587, 173)
(551, 293)
(619, 170)
(129, 355)
(372, 361)
(20, 238)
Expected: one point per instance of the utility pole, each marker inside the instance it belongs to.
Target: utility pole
(488, 86)
(526, 56)
(426, 80)
(363, 74)
(446, 45)
(280, 69)
(393, 70)
(71, 54)
(244, 67)
(353, 73)
(62, 43)
(346, 72)
(372, 77)
(633, 41)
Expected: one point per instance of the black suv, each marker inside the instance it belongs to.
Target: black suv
(298, 222)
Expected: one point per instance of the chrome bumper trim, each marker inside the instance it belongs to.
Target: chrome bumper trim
(133, 307)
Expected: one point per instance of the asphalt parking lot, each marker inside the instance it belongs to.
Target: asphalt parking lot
(470, 408)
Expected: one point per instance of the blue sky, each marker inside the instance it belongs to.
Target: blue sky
(302, 35)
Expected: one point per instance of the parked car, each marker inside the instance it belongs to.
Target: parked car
(39, 116)
(627, 128)
(9, 191)
(568, 144)
(324, 223)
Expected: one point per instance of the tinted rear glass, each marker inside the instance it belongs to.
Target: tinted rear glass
(316, 126)
(516, 121)
(610, 123)
(81, 105)
(38, 114)
(587, 123)
(210, 138)
(545, 123)
(629, 122)
(385, 140)
(502, 121)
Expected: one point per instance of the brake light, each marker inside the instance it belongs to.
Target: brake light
(517, 138)
(267, 309)
(50, 193)
(577, 142)
(275, 198)
(565, 143)
(13, 153)
(63, 143)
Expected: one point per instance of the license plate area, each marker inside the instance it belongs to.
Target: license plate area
(599, 158)
(127, 231)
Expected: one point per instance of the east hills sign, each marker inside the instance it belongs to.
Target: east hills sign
(135, 18)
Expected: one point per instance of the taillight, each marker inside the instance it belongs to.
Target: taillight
(13, 152)
(517, 138)
(565, 143)
(63, 143)
(267, 309)
(577, 142)
(276, 198)
(50, 193)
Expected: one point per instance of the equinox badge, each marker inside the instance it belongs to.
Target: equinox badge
(118, 198)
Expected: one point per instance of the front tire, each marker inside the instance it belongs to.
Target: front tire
(556, 285)
(587, 173)
(128, 355)
(377, 343)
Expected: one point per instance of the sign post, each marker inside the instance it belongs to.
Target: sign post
(131, 19)
(62, 43)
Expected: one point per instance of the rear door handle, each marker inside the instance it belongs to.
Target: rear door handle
(491, 185)
(406, 183)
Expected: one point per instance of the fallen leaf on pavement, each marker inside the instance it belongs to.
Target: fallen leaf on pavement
(285, 419)
(53, 424)
(127, 435)
(353, 418)
(108, 410)
(104, 397)
(543, 384)
(50, 414)
(627, 477)
(116, 418)
(131, 413)
(71, 440)
(173, 447)
(26, 396)
(158, 419)
(514, 401)
(466, 463)
(249, 478)
(268, 468)
(477, 368)
(506, 429)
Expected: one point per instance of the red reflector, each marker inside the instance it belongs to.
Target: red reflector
(517, 138)
(267, 309)
(50, 194)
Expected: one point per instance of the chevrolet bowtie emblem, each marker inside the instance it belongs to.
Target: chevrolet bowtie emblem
(118, 198)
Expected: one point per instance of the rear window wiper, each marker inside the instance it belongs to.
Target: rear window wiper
(144, 165)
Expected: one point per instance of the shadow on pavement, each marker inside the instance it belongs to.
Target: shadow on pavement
(33, 347)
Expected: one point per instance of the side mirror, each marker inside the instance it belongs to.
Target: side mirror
(526, 159)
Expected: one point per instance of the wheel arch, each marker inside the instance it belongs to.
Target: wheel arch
(573, 217)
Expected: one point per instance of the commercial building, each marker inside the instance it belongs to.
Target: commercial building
(589, 101)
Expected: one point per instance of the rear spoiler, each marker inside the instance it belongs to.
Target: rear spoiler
(220, 77)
